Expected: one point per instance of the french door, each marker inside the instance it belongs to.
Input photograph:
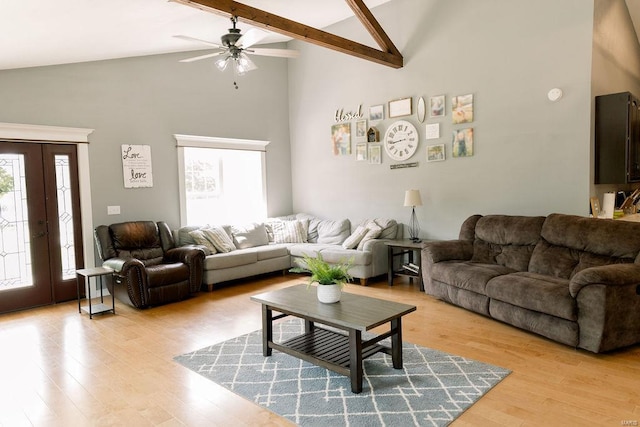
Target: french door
(40, 227)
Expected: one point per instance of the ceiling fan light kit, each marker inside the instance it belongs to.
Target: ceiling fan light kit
(235, 47)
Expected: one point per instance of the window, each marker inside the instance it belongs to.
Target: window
(222, 181)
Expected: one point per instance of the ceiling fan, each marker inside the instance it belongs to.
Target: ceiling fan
(236, 47)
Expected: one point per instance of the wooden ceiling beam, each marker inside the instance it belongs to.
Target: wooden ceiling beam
(390, 56)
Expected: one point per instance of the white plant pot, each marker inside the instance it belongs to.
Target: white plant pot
(329, 293)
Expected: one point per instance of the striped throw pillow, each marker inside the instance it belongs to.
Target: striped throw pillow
(200, 239)
(220, 239)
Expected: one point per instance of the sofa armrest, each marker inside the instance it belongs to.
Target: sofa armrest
(379, 251)
(447, 250)
(129, 272)
(608, 275)
(194, 258)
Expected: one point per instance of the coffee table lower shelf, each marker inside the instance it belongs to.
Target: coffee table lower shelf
(325, 348)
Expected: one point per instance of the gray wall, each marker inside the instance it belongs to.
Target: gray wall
(616, 62)
(531, 157)
(146, 100)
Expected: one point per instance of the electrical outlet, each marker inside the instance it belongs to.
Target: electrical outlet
(113, 210)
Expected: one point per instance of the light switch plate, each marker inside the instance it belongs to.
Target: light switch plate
(113, 210)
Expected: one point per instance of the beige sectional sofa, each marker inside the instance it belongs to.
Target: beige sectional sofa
(280, 243)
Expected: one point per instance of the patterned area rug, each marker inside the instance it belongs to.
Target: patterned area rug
(432, 389)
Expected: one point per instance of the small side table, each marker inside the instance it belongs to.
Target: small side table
(84, 276)
(398, 248)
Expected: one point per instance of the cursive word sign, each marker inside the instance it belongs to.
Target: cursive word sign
(341, 116)
(136, 166)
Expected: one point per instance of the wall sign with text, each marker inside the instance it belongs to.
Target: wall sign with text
(136, 166)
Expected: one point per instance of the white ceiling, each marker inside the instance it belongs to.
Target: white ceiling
(46, 32)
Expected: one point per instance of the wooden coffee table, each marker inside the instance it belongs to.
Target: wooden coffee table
(330, 349)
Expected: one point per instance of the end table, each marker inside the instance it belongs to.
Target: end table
(412, 270)
(84, 276)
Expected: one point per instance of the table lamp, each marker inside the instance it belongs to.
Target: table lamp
(412, 198)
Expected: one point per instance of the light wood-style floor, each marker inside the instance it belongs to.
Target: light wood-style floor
(58, 368)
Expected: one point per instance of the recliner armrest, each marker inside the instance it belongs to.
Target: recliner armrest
(184, 254)
(447, 250)
(608, 275)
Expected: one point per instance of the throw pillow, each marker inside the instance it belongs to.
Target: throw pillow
(200, 239)
(355, 238)
(249, 236)
(220, 239)
(288, 231)
(373, 232)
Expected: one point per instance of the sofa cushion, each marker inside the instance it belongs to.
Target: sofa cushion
(310, 249)
(506, 240)
(273, 250)
(333, 232)
(249, 236)
(220, 238)
(183, 237)
(236, 258)
(355, 237)
(571, 243)
(337, 255)
(374, 231)
(467, 275)
(201, 240)
(294, 231)
(537, 292)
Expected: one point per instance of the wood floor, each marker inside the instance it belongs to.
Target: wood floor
(58, 368)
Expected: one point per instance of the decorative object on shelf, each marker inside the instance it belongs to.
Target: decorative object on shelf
(412, 198)
(329, 277)
(376, 112)
(401, 140)
(421, 110)
(373, 135)
(361, 130)
(462, 145)
(375, 154)
(400, 107)
(435, 153)
(462, 109)
(436, 106)
(595, 207)
(341, 139)
(136, 166)
(432, 131)
(361, 151)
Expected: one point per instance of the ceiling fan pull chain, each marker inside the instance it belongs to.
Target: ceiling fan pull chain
(235, 84)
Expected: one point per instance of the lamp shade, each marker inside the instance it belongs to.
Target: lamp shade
(412, 198)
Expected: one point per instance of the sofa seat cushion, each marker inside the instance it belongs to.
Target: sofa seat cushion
(166, 274)
(537, 292)
(230, 259)
(471, 276)
(337, 255)
(275, 250)
(310, 249)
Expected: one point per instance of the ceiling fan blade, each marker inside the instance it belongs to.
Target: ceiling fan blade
(283, 53)
(198, 58)
(251, 37)
(193, 39)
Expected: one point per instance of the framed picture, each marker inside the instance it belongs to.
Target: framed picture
(435, 153)
(136, 166)
(375, 154)
(400, 107)
(361, 130)
(361, 151)
(462, 145)
(462, 109)
(341, 139)
(436, 106)
(376, 112)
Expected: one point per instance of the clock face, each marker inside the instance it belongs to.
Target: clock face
(401, 140)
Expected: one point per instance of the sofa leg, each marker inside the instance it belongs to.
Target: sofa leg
(363, 282)
(207, 286)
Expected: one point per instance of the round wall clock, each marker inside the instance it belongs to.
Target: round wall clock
(401, 140)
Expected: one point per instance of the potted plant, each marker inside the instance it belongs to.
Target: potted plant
(329, 277)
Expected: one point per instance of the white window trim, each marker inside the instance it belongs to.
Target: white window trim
(16, 132)
(216, 143)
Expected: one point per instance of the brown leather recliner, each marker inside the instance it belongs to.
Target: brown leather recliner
(148, 268)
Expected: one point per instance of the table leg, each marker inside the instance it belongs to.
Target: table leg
(390, 265)
(396, 343)
(355, 360)
(89, 296)
(308, 326)
(267, 330)
(78, 289)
